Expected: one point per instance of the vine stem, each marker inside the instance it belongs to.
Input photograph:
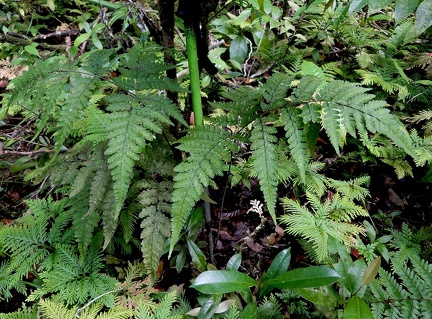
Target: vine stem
(195, 87)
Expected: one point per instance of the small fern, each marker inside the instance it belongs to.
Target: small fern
(329, 219)
(36, 245)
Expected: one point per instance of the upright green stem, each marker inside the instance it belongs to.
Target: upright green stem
(194, 74)
(195, 86)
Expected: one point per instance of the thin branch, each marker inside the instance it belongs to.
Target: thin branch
(93, 300)
(29, 153)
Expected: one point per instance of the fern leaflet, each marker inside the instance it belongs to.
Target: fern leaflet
(155, 225)
(209, 148)
(265, 162)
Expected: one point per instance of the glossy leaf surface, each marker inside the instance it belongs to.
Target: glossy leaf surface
(222, 281)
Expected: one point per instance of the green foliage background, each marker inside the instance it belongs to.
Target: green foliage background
(128, 171)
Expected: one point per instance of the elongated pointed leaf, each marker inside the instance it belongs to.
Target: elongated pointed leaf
(315, 276)
(209, 308)
(423, 16)
(371, 271)
(279, 265)
(357, 308)
(404, 8)
(234, 262)
(197, 255)
(222, 281)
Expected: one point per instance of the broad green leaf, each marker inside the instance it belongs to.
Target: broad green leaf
(351, 273)
(423, 16)
(325, 299)
(225, 305)
(239, 49)
(357, 308)
(267, 6)
(329, 4)
(197, 255)
(80, 39)
(50, 4)
(279, 265)
(222, 281)
(314, 276)
(194, 312)
(31, 48)
(356, 5)
(234, 262)
(371, 271)
(378, 4)
(404, 8)
(250, 311)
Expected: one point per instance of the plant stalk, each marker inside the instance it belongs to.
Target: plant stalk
(195, 87)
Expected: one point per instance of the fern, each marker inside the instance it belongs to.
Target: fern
(209, 148)
(30, 248)
(71, 99)
(405, 293)
(155, 225)
(232, 313)
(36, 245)
(25, 313)
(76, 280)
(329, 219)
(163, 310)
(265, 162)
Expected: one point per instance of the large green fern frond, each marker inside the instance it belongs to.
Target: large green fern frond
(264, 161)
(347, 108)
(209, 148)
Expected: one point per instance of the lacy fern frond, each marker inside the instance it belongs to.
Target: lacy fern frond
(162, 310)
(156, 202)
(27, 93)
(26, 313)
(31, 247)
(54, 310)
(405, 292)
(352, 189)
(132, 123)
(76, 280)
(209, 148)
(275, 90)
(331, 218)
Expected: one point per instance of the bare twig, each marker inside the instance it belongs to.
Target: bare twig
(29, 153)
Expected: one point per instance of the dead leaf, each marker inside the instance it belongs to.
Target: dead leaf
(254, 246)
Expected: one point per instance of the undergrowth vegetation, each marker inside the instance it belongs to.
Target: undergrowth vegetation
(311, 100)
